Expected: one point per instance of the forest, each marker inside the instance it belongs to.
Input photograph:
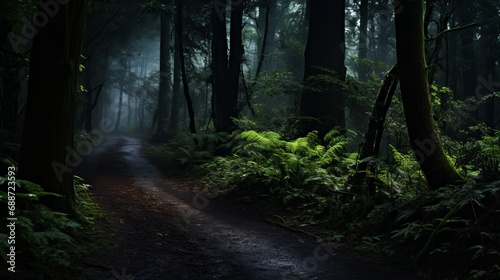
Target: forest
(250, 139)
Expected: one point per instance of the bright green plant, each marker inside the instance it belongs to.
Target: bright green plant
(407, 173)
(299, 173)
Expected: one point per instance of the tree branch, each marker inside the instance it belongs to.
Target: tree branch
(457, 28)
(98, 92)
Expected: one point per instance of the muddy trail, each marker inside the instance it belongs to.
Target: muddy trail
(167, 231)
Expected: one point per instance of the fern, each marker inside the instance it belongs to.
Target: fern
(293, 172)
(48, 236)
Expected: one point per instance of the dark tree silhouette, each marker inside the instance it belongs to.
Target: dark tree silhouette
(226, 71)
(165, 84)
(47, 155)
(322, 101)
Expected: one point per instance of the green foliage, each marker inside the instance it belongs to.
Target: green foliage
(47, 241)
(276, 83)
(44, 234)
(182, 150)
(408, 177)
(299, 173)
(88, 209)
(489, 156)
(275, 98)
(451, 225)
(479, 155)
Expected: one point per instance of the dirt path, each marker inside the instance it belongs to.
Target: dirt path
(167, 232)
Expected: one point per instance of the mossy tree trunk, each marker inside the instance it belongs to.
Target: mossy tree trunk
(416, 98)
(47, 152)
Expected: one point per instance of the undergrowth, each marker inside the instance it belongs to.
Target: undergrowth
(299, 174)
(49, 244)
(301, 184)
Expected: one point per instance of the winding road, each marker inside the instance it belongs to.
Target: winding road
(165, 231)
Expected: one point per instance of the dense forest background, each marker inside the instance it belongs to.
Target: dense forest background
(369, 120)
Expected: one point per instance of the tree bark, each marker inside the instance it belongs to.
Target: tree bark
(87, 107)
(187, 96)
(373, 136)
(226, 72)
(120, 103)
(416, 98)
(176, 93)
(362, 42)
(262, 55)
(467, 55)
(322, 101)
(9, 100)
(488, 45)
(162, 112)
(47, 154)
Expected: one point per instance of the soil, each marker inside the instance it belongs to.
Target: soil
(166, 229)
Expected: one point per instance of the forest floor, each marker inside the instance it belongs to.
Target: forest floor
(166, 230)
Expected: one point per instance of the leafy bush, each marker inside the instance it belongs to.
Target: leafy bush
(44, 234)
(47, 241)
(457, 226)
(301, 172)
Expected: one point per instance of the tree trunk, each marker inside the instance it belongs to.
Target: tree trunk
(120, 103)
(9, 84)
(87, 110)
(307, 13)
(267, 23)
(226, 72)
(219, 65)
(362, 44)
(47, 155)
(262, 55)
(416, 98)
(9, 100)
(176, 93)
(189, 102)
(489, 38)
(373, 136)
(467, 55)
(434, 48)
(322, 101)
(162, 113)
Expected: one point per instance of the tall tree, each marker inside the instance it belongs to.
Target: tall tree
(362, 42)
(47, 155)
(322, 101)
(267, 24)
(468, 57)
(416, 98)
(176, 92)
(162, 110)
(187, 95)
(226, 71)
(11, 59)
(488, 43)
(120, 105)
